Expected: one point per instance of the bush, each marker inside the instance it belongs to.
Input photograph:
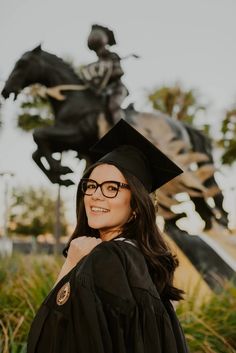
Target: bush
(26, 280)
(24, 283)
(211, 328)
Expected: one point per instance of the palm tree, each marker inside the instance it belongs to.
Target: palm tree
(178, 103)
(228, 140)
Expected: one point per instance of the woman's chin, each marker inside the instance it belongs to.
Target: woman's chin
(95, 224)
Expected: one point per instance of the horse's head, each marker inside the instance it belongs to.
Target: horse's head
(27, 70)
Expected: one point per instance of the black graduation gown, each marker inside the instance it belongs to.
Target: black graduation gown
(110, 305)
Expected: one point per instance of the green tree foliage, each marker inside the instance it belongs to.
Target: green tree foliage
(178, 103)
(33, 212)
(34, 112)
(184, 105)
(228, 140)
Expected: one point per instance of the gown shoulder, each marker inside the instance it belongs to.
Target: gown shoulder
(111, 307)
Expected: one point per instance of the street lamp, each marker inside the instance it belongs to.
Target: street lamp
(6, 176)
(6, 243)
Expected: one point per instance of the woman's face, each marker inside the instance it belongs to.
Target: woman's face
(108, 215)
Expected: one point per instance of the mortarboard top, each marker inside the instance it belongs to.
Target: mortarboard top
(125, 147)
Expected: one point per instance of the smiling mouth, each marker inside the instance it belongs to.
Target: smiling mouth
(99, 209)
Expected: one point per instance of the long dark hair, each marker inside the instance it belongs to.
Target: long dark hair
(161, 262)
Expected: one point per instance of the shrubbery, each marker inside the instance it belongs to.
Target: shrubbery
(211, 328)
(24, 283)
(26, 280)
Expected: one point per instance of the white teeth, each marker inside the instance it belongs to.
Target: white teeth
(98, 209)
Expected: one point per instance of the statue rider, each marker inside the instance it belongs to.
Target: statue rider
(104, 76)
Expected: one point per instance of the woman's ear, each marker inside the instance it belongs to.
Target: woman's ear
(132, 217)
(134, 214)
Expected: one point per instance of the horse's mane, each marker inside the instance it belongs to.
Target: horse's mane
(62, 65)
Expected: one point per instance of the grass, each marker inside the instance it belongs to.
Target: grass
(24, 283)
(26, 280)
(211, 327)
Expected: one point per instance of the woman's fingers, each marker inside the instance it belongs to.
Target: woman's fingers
(80, 247)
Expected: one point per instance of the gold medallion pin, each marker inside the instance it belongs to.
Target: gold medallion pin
(63, 294)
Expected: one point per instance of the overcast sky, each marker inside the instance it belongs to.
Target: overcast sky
(190, 41)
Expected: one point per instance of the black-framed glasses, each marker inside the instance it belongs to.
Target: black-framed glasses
(108, 188)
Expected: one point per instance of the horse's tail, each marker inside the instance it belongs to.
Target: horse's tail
(200, 142)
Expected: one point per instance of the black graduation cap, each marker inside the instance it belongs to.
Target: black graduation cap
(125, 147)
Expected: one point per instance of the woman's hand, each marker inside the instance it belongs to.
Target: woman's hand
(80, 247)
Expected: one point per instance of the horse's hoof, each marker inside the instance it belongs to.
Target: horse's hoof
(65, 170)
(208, 225)
(66, 182)
(223, 221)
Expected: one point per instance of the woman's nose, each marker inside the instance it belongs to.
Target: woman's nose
(98, 194)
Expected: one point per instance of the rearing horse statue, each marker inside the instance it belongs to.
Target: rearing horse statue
(80, 120)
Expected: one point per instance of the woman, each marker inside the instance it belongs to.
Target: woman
(114, 291)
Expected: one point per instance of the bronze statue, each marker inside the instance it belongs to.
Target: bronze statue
(104, 76)
(80, 122)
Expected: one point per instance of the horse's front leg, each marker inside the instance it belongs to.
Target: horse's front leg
(55, 169)
(37, 158)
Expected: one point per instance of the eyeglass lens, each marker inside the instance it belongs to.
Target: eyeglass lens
(109, 189)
